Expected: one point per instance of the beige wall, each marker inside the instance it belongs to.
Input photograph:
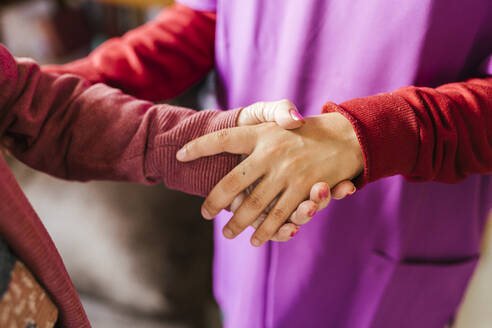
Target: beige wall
(476, 308)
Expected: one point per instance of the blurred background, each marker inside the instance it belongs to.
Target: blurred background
(139, 256)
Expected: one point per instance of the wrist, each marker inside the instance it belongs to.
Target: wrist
(388, 132)
(338, 127)
(353, 143)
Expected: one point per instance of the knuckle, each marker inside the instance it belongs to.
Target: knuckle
(271, 150)
(257, 107)
(211, 206)
(260, 104)
(288, 166)
(278, 214)
(286, 102)
(230, 183)
(254, 201)
(235, 226)
(295, 164)
(223, 135)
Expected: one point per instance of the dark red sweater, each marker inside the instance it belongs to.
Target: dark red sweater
(65, 127)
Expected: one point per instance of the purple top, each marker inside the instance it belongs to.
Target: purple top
(395, 254)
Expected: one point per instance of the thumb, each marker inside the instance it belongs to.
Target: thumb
(282, 112)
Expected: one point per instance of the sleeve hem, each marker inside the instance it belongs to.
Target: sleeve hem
(362, 179)
(200, 176)
(388, 132)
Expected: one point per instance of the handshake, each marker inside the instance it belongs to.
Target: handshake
(291, 168)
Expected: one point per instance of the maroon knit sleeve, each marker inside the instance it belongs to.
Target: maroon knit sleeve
(442, 134)
(156, 61)
(62, 125)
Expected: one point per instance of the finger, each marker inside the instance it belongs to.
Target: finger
(279, 214)
(259, 220)
(271, 205)
(224, 192)
(251, 208)
(304, 213)
(287, 115)
(238, 201)
(264, 214)
(241, 140)
(283, 112)
(321, 195)
(286, 232)
(343, 189)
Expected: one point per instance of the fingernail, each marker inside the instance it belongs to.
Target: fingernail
(323, 194)
(206, 214)
(352, 192)
(255, 242)
(228, 233)
(296, 115)
(293, 233)
(312, 212)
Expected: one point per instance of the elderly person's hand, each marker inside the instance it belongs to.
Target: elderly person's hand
(287, 164)
(319, 198)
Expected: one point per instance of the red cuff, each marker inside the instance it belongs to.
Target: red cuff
(200, 176)
(388, 133)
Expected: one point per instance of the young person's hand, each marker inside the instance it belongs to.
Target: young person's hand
(289, 164)
(283, 112)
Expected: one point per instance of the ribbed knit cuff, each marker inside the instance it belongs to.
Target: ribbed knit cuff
(200, 176)
(387, 129)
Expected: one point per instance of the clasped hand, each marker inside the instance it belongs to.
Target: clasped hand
(289, 171)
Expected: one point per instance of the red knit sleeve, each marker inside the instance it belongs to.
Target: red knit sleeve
(62, 125)
(156, 61)
(425, 134)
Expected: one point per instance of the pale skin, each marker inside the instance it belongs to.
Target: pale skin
(320, 197)
(289, 164)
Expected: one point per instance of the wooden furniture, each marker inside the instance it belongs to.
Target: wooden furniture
(134, 13)
(136, 3)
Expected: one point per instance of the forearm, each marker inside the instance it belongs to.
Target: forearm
(425, 134)
(156, 61)
(64, 126)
